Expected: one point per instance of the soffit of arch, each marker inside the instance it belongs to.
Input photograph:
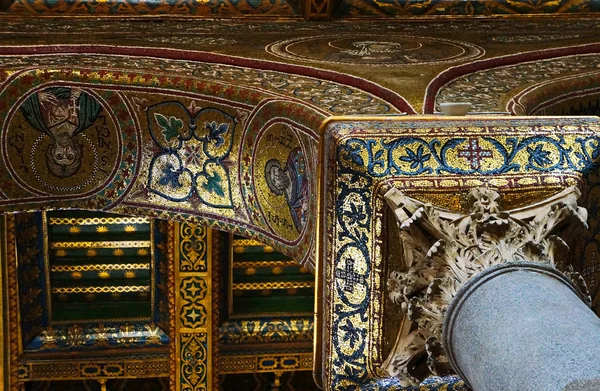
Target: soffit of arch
(174, 139)
(551, 94)
(491, 89)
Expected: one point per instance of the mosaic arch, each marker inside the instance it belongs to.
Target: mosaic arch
(570, 94)
(497, 84)
(181, 136)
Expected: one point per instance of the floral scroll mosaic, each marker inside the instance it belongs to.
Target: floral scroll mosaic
(525, 160)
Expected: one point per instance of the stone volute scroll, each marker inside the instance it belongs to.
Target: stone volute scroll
(450, 259)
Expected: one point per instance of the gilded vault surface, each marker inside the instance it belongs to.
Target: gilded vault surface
(215, 122)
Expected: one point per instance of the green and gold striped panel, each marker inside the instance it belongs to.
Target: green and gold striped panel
(265, 282)
(99, 266)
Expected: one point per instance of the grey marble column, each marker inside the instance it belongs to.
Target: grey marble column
(523, 327)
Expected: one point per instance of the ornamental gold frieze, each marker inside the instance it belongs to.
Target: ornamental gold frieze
(272, 330)
(433, 160)
(98, 368)
(265, 362)
(98, 221)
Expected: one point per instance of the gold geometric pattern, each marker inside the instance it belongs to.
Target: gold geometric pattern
(98, 220)
(192, 291)
(106, 370)
(102, 289)
(97, 267)
(126, 244)
(272, 285)
(98, 368)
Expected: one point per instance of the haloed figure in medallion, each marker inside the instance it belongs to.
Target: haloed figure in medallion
(61, 113)
(290, 181)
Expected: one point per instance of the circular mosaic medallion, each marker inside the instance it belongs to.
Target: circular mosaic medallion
(282, 180)
(62, 140)
(367, 49)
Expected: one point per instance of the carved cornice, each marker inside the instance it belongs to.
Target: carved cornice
(443, 250)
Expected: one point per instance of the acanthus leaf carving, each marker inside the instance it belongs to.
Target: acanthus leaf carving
(443, 250)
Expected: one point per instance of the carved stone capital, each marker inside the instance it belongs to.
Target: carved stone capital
(443, 250)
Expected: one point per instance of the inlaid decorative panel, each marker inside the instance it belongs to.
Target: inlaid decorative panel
(193, 324)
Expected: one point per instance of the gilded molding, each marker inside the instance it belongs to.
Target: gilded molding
(102, 289)
(111, 244)
(99, 220)
(112, 266)
(272, 285)
(266, 362)
(97, 368)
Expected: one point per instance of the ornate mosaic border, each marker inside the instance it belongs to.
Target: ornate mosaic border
(432, 159)
(193, 312)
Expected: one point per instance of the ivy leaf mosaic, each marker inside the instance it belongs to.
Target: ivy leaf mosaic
(170, 127)
(213, 184)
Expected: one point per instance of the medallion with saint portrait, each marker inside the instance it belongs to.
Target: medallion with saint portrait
(61, 140)
(282, 180)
